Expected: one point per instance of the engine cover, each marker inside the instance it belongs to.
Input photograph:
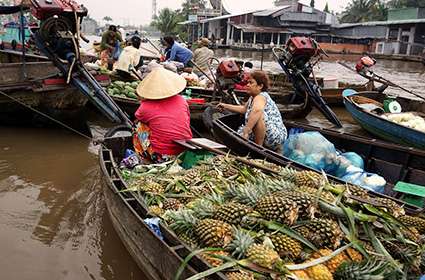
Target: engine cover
(43, 9)
(229, 69)
(301, 46)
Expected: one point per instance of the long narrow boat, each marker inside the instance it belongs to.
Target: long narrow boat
(157, 258)
(203, 99)
(393, 162)
(381, 127)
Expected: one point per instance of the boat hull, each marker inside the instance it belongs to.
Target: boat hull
(385, 129)
(157, 258)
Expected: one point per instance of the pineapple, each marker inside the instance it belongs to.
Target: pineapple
(190, 241)
(358, 191)
(191, 177)
(147, 185)
(305, 202)
(322, 233)
(319, 272)
(300, 274)
(240, 275)
(286, 246)
(333, 263)
(412, 234)
(354, 255)
(229, 171)
(213, 233)
(155, 210)
(324, 194)
(416, 222)
(372, 269)
(390, 206)
(309, 179)
(231, 212)
(171, 204)
(263, 255)
(243, 246)
(210, 257)
(277, 208)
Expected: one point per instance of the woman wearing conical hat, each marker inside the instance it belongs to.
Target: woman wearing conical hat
(163, 116)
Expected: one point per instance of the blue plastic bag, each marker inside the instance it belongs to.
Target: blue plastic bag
(354, 159)
(364, 179)
(153, 223)
(312, 149)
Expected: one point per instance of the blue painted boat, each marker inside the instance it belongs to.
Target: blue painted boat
(355, 103)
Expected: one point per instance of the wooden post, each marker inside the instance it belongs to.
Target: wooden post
(255, 38)
(278, 39)
(241, 36)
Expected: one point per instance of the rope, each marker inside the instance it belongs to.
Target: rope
(46, 116)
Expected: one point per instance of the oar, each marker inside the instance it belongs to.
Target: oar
(379, 79)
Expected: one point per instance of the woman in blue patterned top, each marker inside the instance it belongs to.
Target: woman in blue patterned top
(263, 122)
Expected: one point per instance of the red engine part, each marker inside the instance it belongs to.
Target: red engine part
(365, 62)
(229, 69)
(301, 46)
(43, 9)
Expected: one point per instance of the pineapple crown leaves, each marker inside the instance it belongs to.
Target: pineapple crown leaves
(373, 268)
(181, 221)
(242, 240)
(243, 194)
(202, 208)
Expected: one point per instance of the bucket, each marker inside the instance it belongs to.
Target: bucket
(330, 82)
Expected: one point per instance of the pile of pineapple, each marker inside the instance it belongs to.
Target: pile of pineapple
(284, 225)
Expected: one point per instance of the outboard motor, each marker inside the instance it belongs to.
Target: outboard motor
(297, 60)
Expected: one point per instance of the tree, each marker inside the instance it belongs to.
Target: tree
(364, 10)
(191, 6)
(107, 18)
(326, 9)
(166, 21)
(312, 3)
(406, 3)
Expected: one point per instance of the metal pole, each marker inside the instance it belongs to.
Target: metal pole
(262, 50)
(22, 29)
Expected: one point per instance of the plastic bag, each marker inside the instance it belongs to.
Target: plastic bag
(312, 149)
(364, 179)
(354, 159)
(153, 223)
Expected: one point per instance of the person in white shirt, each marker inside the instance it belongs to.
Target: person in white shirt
(129, 59)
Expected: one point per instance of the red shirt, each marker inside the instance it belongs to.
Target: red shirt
(168, 120)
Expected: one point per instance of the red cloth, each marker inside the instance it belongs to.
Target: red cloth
(168, 120)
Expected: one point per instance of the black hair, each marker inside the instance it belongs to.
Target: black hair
(112, 28)
(169, 40)
(248, 64)
(136, 41)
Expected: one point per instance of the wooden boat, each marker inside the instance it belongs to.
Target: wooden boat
(332, 96)
(158, 259)
(36, 82)
(393, 162)
(383, 128)
(204, 98)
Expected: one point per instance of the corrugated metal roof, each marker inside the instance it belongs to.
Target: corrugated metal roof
(375, 23)
(260, 29)
(227, 16)
(269, 12)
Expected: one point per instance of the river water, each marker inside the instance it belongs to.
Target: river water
(53, 221)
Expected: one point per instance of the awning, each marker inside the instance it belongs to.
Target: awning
(260, 29)
(7, 10)
(302, 31)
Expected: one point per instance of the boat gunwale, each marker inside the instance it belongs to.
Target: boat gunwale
(419, 134)
(107, 179)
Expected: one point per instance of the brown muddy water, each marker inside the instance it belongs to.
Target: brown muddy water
(53, 221)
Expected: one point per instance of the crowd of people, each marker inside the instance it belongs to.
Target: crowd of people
(163, 115)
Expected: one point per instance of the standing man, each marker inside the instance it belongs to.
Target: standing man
(201, 56)
(176, 52)
(108, 44)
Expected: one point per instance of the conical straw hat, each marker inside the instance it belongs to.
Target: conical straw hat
(160, 84)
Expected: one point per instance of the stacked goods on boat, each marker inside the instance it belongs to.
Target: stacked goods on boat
(123, 89)
(410, 120)
(251, 223)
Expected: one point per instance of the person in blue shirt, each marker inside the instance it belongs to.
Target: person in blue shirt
(176, 52)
